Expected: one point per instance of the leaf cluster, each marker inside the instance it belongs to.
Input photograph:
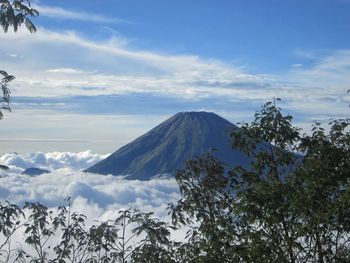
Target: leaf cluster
(12, 15)
(5, 99)
(15, 13)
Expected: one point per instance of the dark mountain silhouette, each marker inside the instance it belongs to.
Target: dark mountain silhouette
(165, 148)
(4, 167)
(35, 171)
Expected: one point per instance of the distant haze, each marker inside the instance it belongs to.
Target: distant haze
(27, 146)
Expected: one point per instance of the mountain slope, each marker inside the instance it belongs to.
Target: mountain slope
(35, 171)
(165, 148)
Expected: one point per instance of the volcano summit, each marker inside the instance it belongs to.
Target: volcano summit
(165, 148)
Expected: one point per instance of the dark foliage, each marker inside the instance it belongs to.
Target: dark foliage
(290, 205)
(5, 99)
(12, 15)
(15, 13)
(131, 236)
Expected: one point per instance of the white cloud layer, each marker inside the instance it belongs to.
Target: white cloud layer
(51, 161)
(105, 192)
(97, 196)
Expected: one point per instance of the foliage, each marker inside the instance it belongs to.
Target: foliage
(12, 15)
(132, 234)
(5, 100)
(15, 13)
(205, 209)
(289, 205)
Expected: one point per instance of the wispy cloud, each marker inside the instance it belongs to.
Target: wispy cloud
(65, 71)
(116, 69)
(61, 13)
(76, 66)
(13, 55)
(297, 65)
(322, 86)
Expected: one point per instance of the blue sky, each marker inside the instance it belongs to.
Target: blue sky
(96, 75)
(264, 35)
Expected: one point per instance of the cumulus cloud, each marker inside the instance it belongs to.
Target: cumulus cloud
(106, 193)
(97, 196)
(51, 160)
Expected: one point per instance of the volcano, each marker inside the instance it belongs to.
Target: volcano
(164, 149)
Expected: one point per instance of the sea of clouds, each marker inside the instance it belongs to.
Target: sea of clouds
(51, 161)
(97, 196)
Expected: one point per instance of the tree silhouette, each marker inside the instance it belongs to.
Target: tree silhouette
(12, 15)
(290, 205)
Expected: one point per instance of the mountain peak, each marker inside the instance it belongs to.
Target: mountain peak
(196, 114)
(165, 148)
